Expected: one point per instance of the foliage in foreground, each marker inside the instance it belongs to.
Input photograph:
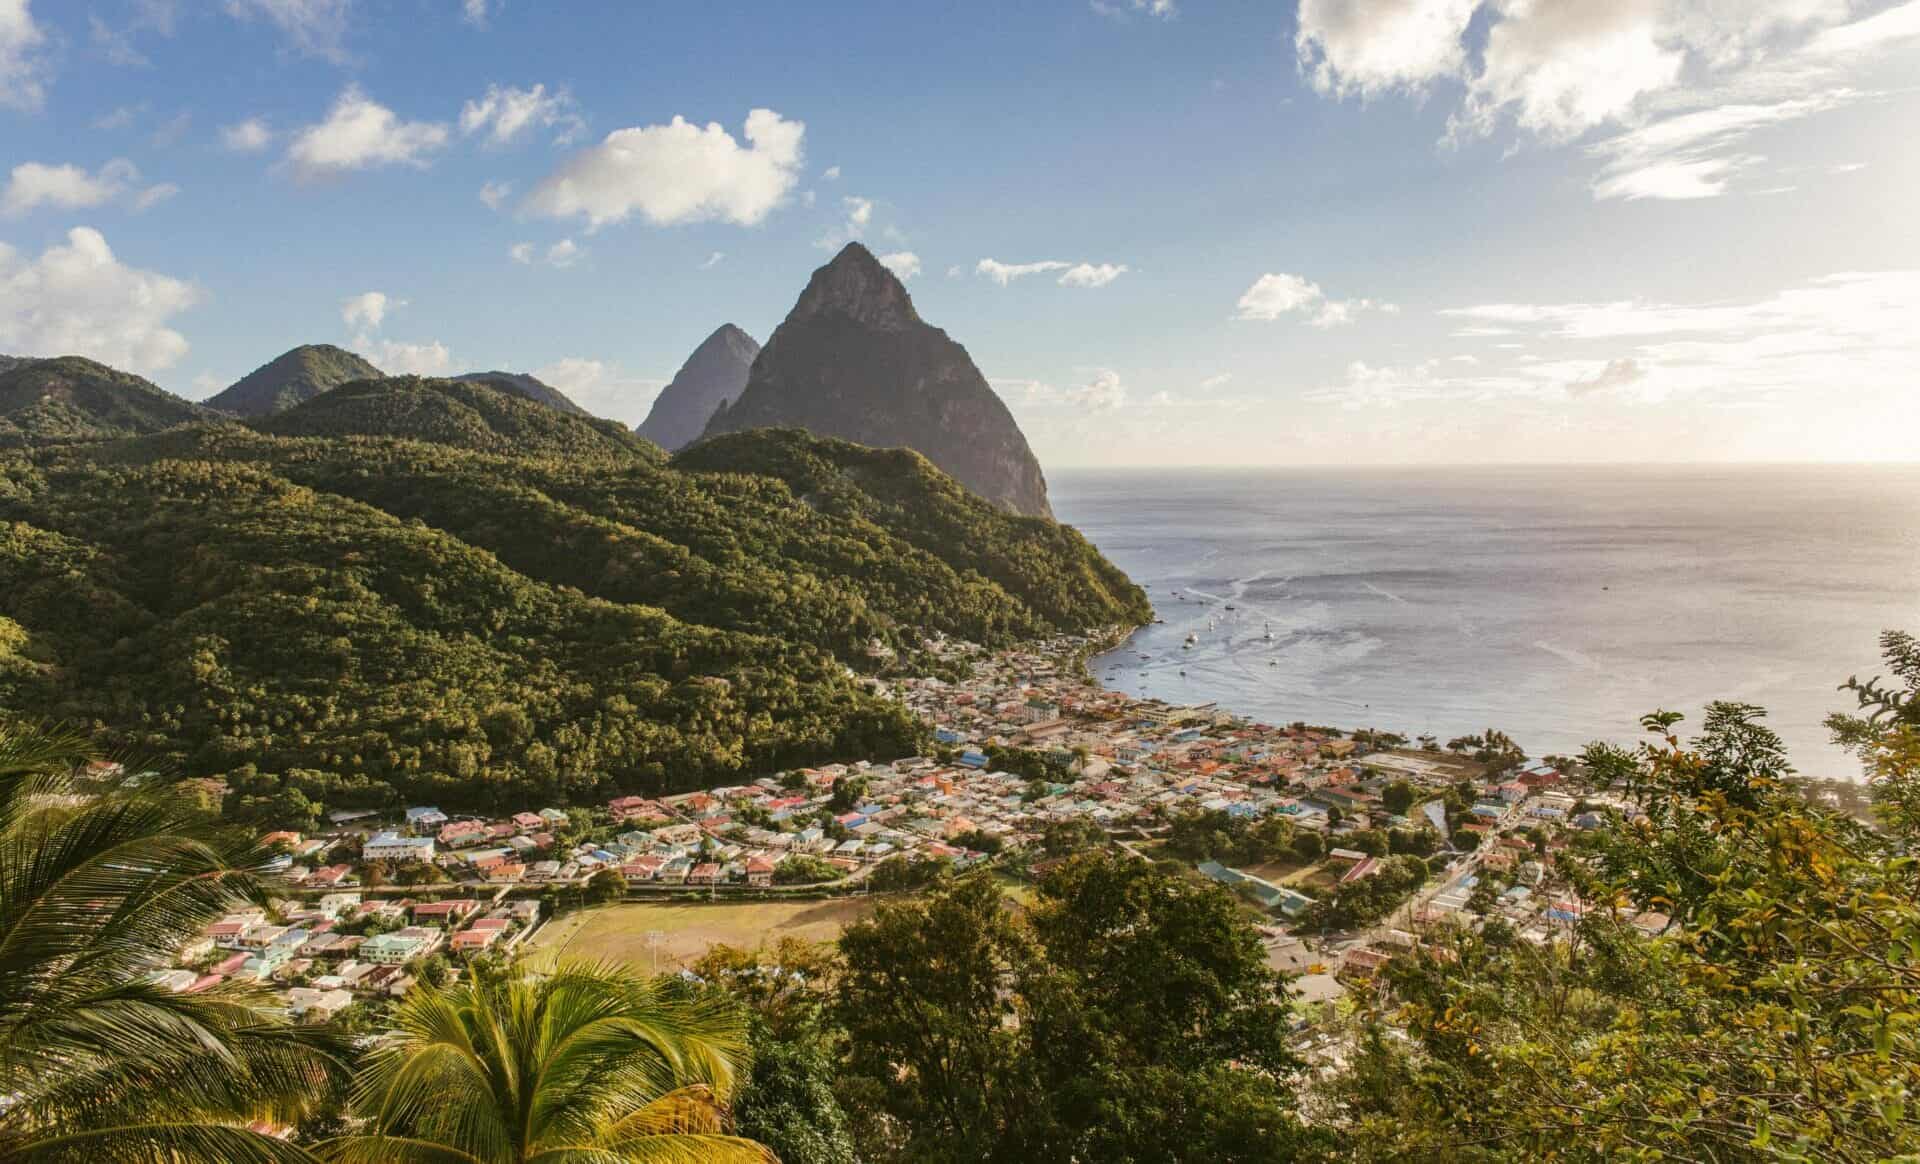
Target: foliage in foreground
(98, 1063)
(1777, 1018)
(586, 1064)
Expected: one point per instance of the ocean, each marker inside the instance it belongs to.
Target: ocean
(1556, 604)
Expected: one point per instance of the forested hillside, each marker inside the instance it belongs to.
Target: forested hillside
(508, 603)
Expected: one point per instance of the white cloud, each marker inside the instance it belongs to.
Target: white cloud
(1367, 48)
(78, 299)
(602, 388)
(360, 133)
(1274, 296)
(1092, 274)
(1123, 9)
(398, 358)
(1616, 374)
(1690, 79)
(904, 264)
(23, 64)
(712, 260)
(562, 254)
(1073, 274)
(830, 174)
(859, 212)
(677, 173)
(316, 28)
(246, 137)
(1102, 393)
(368, 309)
(494, 194)
(1217, 381)
(474, 12)
(504, 114)
(67, 187)
(1005, 273)
(120, 117)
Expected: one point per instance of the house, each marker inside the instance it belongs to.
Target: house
(528, 821)
(705, 874)
(473, 940)
(506, 873)
(400, 946)
(463, 832)
(425, 819)
(391, 846)
(760, 871)
(316, 1006)
(444, 912)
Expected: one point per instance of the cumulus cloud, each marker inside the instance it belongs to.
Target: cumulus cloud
(830, 174)
(1125, 9)
(475, 12)
(23, 62)
(367, 309)
(494, 194)
(78, 299)
(1102, 393)
(859, 212)
(677, 173)
(1690, 79)
(1615, 374)
(1092, 274)
(315, 28)
(33, 185)
(562, 254)
(1073, 274)
(1275, 296)
(904, 264)
(360, 133)
(602, 387)
(246, 137)
(400, 358)
(504, 114)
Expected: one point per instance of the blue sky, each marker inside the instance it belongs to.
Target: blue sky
(1169, 232)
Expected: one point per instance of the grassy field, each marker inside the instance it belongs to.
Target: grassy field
(668, 936)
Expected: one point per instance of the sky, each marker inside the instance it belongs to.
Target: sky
(1170, 232)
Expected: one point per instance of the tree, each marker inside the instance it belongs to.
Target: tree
(604, 887)
(1397, 797)
(98, 1063)
(1127, 1016)
(586, 1064)
(1774, 1014)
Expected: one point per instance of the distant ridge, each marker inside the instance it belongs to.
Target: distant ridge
(713, 375)
(527, 385)
(854, 360)
(71, 398)
(291, 378)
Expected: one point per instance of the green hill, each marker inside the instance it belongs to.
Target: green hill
(70, 398)
(293, 378)
(479, 415)
(497, 609)
(528, 385)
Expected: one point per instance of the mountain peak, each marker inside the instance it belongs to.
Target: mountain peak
(854, 360)
(713, 375)
(857, 285)
(293, 377)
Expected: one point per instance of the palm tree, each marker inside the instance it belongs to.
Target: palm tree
(591, 1065)
(97, 891)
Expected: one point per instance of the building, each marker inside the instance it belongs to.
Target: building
(391, 846)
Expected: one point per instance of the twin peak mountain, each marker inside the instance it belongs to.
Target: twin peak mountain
(852, 360)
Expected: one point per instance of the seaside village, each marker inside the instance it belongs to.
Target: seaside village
(430, 888)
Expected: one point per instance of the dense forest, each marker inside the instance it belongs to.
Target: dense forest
(441, 590)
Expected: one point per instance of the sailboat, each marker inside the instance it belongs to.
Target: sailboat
(1269, 635)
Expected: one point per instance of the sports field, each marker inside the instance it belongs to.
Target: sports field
(668, 936)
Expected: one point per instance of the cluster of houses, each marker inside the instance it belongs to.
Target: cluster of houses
(325, 953)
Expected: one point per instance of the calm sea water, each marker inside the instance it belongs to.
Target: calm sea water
(1557, 604)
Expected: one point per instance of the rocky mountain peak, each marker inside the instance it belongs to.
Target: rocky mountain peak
(856, 285)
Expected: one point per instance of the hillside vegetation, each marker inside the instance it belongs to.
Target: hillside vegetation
(502, 603)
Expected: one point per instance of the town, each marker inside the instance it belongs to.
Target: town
(1347, 844)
